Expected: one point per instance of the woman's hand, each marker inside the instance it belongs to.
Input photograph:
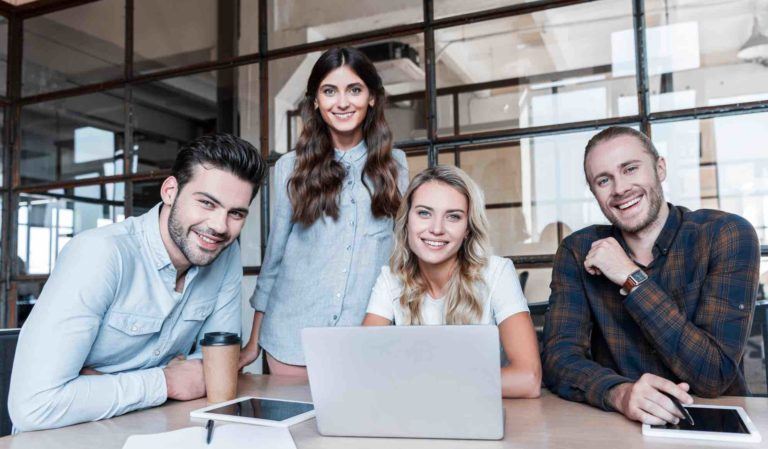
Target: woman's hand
(251, 350)
(249, 353)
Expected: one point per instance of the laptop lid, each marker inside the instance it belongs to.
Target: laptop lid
(406, 381)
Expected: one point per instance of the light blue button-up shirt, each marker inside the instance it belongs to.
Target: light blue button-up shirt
(110, 304)
(323, 274)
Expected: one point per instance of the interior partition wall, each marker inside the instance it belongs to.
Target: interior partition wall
(97, 96)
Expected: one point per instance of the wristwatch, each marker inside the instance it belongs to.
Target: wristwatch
(633, 280)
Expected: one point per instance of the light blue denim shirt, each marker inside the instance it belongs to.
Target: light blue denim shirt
(323, 274)
(110, 305)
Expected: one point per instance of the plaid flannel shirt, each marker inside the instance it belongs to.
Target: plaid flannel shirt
(687, 323)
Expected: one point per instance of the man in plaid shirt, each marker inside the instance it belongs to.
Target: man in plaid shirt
(660, 302)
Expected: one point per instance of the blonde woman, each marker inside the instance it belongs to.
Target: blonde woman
(441, 272)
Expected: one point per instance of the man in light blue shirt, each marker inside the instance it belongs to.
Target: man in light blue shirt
(116, 322)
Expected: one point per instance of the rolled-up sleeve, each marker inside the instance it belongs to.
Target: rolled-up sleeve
(46, 389)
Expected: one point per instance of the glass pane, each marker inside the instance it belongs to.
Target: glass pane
(250, 236)
(444, 8)
(546, 68)
(3, 53)
(248, 39)
(403, 79)
(177, 33)
(46, 222)
(704, 53)
(718, 163)
(171, 112)
(73, 47)
(74, 138)
(294, 22)
(27, 293)
(145, 196)
(537, 282)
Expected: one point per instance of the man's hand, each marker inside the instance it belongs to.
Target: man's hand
(184, 379)
(608, 257)
(643, 401)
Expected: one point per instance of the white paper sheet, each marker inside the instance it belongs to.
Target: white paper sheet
(225, 436)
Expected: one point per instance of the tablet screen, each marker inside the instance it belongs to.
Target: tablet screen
(711, 420)
(269, 409)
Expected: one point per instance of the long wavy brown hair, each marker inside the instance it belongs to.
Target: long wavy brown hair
(315, 184)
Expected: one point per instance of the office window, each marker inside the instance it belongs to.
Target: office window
(177, 33)
(718, 163)
(545, 68)
(295, 22)
(73, 138)
(46, 222)
(146, 195)
(74, 47)
(445, 8)
(250, 235)
(171, 112)
(705, 53)
(2, 148)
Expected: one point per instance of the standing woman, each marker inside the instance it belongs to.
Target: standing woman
(442, 272)
(335, 199)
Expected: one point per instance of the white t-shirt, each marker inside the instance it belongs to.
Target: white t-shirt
(501, 296)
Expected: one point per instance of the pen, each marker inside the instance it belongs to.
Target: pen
(209, 428)
(680, 407)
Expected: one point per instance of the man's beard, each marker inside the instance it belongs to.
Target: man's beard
(182, 240)
(655, 198)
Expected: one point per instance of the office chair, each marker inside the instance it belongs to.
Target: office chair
(8, 339)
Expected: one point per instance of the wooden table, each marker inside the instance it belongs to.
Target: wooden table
(548, 422)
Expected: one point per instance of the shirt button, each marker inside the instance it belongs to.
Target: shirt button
(338, 295)
(349, 183)
(741, 306)
(335, 317)
(352, 222)
(349, 247)
(202, 313)
(134, 328)
(157, 352)
(344, 270)
(353, 201)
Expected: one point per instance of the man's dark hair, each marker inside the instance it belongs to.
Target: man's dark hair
(619, 131)
(222, 151)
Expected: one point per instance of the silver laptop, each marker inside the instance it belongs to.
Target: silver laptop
(406, 381)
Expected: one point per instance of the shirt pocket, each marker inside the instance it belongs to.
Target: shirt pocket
(134, 325)
(198, 311)
(379, 228)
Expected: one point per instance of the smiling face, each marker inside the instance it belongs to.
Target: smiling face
(343, 100)
(206, 215)
(626, 182)
(437, 225)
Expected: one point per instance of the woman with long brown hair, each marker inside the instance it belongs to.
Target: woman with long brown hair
(442, 272)
(335, 199)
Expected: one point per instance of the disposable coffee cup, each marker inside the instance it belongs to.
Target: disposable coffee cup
(221, 352)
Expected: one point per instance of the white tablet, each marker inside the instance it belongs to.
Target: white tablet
(260, 411)
(712, 422)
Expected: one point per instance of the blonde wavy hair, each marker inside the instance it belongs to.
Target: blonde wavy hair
(463, 302)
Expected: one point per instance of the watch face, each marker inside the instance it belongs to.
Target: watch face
(638, 276)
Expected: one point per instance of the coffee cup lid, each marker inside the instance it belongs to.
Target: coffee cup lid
(220, 339)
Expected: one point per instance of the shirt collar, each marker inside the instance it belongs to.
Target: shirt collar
(666, 236)
(353, 154)
(150, 223)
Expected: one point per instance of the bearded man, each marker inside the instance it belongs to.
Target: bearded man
(115, 324)
(659, 303)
